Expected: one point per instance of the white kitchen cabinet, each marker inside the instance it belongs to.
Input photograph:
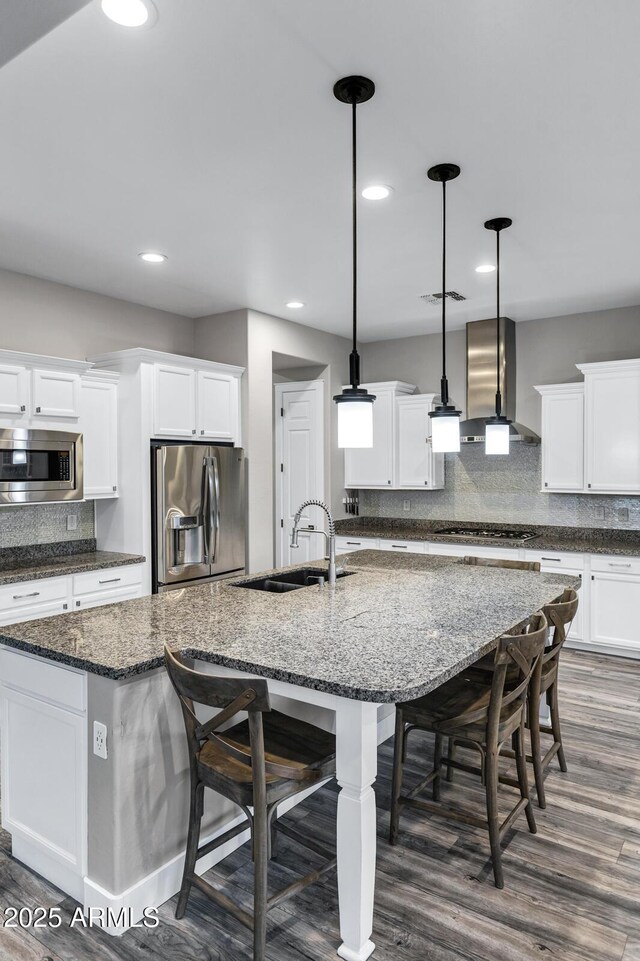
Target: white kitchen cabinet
(99, 426)
(615, 601)
(374, 467)
(174, 401)
(95, 588)
(26, 600)
(55, 394)
(14, 393)
(218, 401)
(405, 547)
(562, 437)
(612, 436)
(417, 467)
(353, 543)
(472, 550)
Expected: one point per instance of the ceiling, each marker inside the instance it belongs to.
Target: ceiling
(214, 137)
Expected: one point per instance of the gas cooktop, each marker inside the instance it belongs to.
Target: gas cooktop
(494, 535)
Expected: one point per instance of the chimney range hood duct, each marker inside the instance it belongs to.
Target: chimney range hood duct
(481, 381)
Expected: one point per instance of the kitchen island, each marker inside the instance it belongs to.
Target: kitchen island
(110, 831)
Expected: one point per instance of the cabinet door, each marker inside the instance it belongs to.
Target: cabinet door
(615, 601)
(174, 401)
(346, 544)
(563, 441)
(56, 394)
(99, 426)
(14, 394)
(613, 431)
(417, 467)
(373, 466)
(28, 600)
(217, 406)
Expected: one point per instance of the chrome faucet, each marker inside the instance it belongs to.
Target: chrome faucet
(330, 538)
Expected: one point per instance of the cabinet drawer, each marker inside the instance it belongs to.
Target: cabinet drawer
(344, 544)
(43, 680)
(407, 547)
(112, 578)
(611, 564)
(556, 560)
(473, 550)
(32, 593)
(102, 597)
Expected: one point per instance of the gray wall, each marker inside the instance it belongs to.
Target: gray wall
(41, 317)
(547, 352)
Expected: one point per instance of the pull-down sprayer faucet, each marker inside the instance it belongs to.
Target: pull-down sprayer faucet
(330, 538)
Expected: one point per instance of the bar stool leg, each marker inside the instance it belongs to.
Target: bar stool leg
(193, 839)
(260, 867)
(451, 754)
(396, 781)
(437, 757)
(523, 780)
(491, 787)
(555, 724)
(533, 723)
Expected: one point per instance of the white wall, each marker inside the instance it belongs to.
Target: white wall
(41, 317)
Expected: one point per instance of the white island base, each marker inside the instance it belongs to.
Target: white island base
(111, 832)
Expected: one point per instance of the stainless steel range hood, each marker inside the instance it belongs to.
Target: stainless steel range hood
(481, 380)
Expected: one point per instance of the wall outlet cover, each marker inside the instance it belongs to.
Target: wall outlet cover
(406, 505)
(72, 522)
(599, 513)
(100, 740)
(623, 514)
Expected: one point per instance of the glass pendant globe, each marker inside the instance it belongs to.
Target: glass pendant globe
(496, 439)
(445, 434)
(355, 424)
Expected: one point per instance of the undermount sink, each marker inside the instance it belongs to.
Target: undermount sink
(290, 580)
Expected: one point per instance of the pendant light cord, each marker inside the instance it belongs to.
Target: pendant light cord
(354, 359)
(498, 392)
(444, 386)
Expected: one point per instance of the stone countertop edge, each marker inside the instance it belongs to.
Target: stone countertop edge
(68, 564)
(379, 695)
(573, 540)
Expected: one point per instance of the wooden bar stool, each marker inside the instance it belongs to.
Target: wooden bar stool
(257, 763)
(545, 681)
(500, 562)
(481, 710)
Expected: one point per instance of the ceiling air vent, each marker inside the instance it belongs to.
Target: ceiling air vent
(437, 298)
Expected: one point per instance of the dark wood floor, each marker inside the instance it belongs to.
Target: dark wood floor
(572, 891)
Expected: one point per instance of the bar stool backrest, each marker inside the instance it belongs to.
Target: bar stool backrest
(522, 649)
(560, 615)
(500, 562)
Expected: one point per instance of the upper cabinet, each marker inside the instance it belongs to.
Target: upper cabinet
(591, 431)
(174, 401)
(14, 393)
(39, 392)
(99, 426)
(612, 439)
(401, 456)
(562, 437)
(417, 467)
(218, 405)
(56, 394)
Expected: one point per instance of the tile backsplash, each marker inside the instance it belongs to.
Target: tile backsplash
(502, 490)
(28, 524)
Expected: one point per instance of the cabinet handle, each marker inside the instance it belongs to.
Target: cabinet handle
(401, 547)
(77, 603)
(354, 543)
(388, 482)
(22, 408)
(556, 560)
(588, 485)
(19, 597)
(38, 410)
(115, 488)
(193, 431)
(546, 483)
(111, 580)
(201, 433)
(65, 607)
(612, 564)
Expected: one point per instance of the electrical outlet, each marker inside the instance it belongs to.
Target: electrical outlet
(100, 740)
(406, 505)
(599, 513)
(72, 522)
(623, 514)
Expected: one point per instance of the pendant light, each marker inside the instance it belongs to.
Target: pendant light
(445, 419)
(355, 404)
(498, 427)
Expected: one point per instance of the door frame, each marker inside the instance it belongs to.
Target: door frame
(317, 388)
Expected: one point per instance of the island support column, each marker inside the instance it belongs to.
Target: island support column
(356, 757)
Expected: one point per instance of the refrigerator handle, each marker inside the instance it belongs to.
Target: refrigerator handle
(207, 491)
(214, 511)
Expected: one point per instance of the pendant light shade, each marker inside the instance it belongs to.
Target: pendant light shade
(498, 428)
(445, 419)
(355, 404)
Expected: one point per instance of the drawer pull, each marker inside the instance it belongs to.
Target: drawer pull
(556, 560)
(614, 564)
(19, 597)
(111, 580)
(354, 543)
(401, 547)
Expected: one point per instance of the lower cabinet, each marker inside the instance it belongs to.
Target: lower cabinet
(106, 587)
(615, 601)
(346, 544)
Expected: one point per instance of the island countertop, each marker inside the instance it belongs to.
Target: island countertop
(398, 627)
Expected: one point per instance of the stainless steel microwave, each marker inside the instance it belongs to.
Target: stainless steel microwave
(40, 465)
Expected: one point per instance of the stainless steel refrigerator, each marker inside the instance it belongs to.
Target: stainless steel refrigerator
(198, 495)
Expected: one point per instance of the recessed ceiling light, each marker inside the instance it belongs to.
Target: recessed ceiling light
(130, 13)
(295, 304)
(150, 257)
(376, 192)
(485, 269)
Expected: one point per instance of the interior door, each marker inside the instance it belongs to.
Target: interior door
(226, 509)
(300, 468)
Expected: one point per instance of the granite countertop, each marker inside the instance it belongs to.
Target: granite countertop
(56, 559)
(583, 540)
(396, 628)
